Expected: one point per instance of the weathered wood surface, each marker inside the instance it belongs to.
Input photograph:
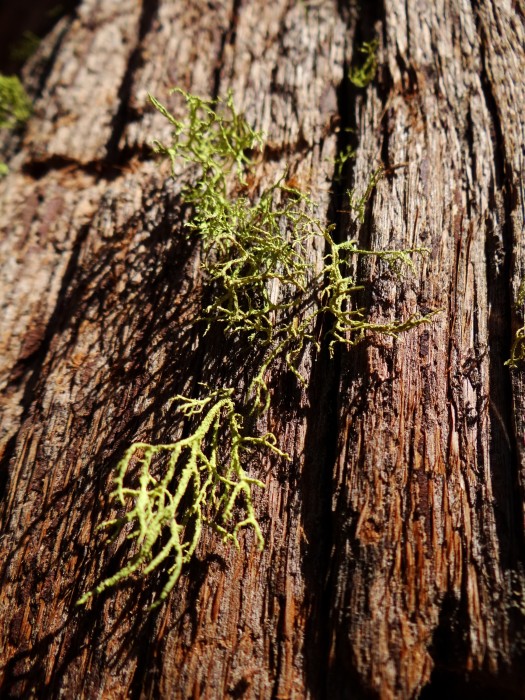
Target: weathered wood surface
(393, 564)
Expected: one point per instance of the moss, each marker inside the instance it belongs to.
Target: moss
(361, 76)
(25, 47)
(15, 107)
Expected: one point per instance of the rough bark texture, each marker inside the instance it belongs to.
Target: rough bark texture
(394, 559)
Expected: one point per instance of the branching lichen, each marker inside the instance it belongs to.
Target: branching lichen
(245, 253)
(357, 203)
(202, 482)
(214, 136)
(351, 324)
(261, 286)
(244, 250)
(517, 351)
(344, 155)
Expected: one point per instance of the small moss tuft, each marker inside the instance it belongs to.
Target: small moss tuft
(361, 76)
(15, 107)
(517, 351)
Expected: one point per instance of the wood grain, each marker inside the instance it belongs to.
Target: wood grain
(393, 565)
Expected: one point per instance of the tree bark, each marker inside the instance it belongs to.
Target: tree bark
(394, 557)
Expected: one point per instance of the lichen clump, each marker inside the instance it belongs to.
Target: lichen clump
(261, 287)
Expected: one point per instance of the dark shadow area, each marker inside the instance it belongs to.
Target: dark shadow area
(227, 40)
(476, 686)
(123, 116)
(23, 24)
(142, 298)
(108, 170)
(328, 524)
(149, 646)
(499, 247)
(145, 302)
(450, 650)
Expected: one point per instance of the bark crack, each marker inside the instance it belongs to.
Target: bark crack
(341, 670)
(120, 120)
(98, 169)
(504, 462)
(227, 39)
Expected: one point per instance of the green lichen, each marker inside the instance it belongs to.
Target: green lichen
(517, 351)
(245, 254)
(202, 481)
(252, 245)
(350, 324)
(357, 203)
(244, 251)
(262, 287)
(214, 136)
(346, 154)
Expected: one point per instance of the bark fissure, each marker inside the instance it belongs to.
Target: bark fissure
(227, 39)
(499, 246)
(108, 170)
(331, 377)
(43, 75)
(324, 390)
(122, 117)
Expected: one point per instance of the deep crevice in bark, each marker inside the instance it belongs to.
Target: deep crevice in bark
(16, 19)
(325, 389)
(343, 679)
(503, 453)
(449, 649)
(98, 169)
(122, 116)
(457, 685)
(316, 488)
(227, 39)
(450, 654)
(50, 62)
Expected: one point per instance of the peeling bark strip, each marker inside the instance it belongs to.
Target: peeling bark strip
(394, 559)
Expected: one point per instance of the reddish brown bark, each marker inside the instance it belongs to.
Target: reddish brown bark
(394, 551)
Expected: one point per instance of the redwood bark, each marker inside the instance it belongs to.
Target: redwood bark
(394, 558)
